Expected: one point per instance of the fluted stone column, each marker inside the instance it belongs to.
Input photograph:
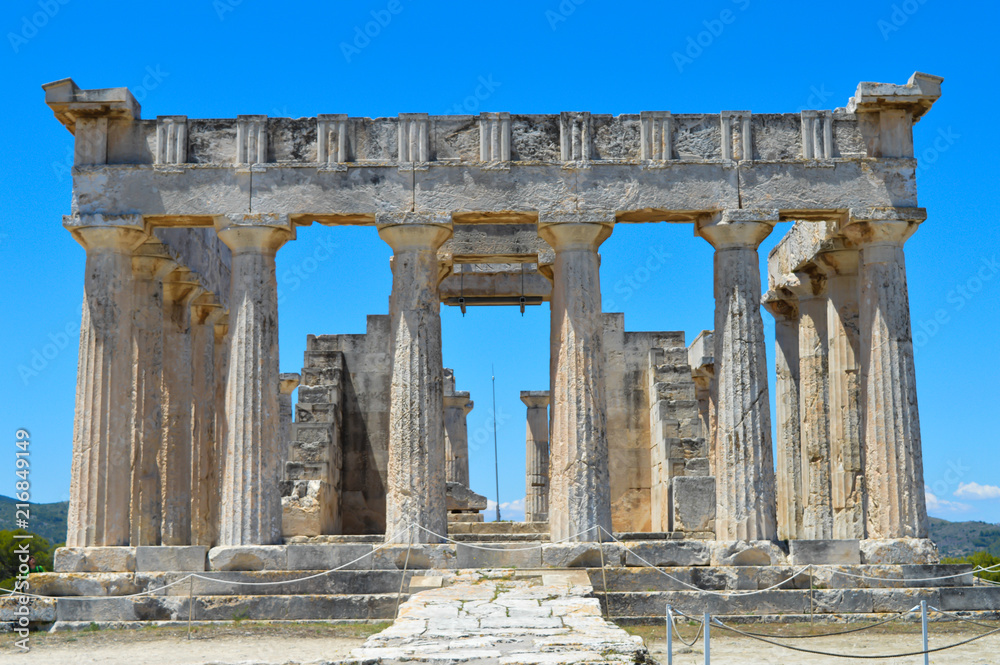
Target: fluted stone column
(101, 470)
(287, 383)
(745, 504)
(579, 481)
(788, 473)
(150, 265)
(456, 437)
(893, 461)
(205, 312)
(250, 513)
(221, 424)
(416, 475)
(814, 419)
(847, 474)
(180, 288)
(536, 482)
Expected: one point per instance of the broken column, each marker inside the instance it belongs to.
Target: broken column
(416, 469)
(702, 362)
(579, 482)
(287, 383)
(101, 468)
(893, 462)
(788, 465)
(457, 406)
(744, 468)
(536, 482)
(814, 434)
(250, 512)
(844, 388)
(150, 264)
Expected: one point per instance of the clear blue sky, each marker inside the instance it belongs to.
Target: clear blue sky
(219, 59)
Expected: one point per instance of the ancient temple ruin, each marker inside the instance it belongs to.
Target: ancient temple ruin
(185, 433)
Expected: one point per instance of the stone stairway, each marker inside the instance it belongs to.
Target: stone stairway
(504, 618)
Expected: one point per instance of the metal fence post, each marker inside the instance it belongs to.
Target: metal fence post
(670, 636)
(923, 622)
(708, 621)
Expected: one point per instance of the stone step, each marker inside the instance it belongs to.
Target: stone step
(498, 527)
(740, 578)
(652, 605)
(490, 538)
(300, 607)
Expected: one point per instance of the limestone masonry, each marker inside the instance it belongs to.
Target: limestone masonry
(186, 434)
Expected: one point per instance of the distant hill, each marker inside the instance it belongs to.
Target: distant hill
(957, 539)
(48, 520)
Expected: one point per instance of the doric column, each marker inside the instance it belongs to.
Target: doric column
(814, 419)
(788, 471)
(536, 482)
(150, 264)
(221, 424)
(101, 471)
(456, 437)
(205, 312)
(180, 288)
(746, 504)
(893, 462)
(253, 457)
(579, 481)
(416, 477)
(847, 473)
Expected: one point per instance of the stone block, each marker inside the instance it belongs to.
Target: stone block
(95, 560)
(422, 557)
(668, 553)
(309, 509)
(843, 601)
(899, 551)
(89, 584)
(746, 553)
(190, 558)
(460, 497)
(499, 555)
(837, 552)
(248, 557)
(970, 599)
(330, 557)
(40, 610)
(693, 503)
(901, 600)
(582, 555)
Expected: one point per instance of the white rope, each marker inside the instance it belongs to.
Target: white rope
(975, 570)
(505, 549)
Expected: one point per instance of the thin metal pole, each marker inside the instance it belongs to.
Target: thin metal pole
(496, 455)
(923, 622)
(191, 603)
(670, 636)
(708, 622)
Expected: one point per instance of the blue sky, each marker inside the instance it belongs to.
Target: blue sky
(221, 58)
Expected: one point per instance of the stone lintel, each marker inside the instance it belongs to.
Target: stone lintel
(701, 353)
(535, 399)
(68, 102)
(916, 96)
(288, 381)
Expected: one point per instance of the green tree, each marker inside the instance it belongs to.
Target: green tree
(10, 559)
(981, 559)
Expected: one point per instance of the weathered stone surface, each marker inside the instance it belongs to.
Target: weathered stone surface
(803, 552)
(460, 497)
(898, 550)
(746, 505)
(497, 555)
(190, 558)
(85, 584)
(578, 461)
(536, 465)
(746, 553)
(248, 557)
(422, 556)
(40, 610)
(94, 559)
(308, 508)
(668, 553)
(416, 475)
(457, 406)
(328, 557)
(693, 502)
(582, 555)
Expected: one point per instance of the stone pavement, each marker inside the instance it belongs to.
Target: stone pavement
(504, 618)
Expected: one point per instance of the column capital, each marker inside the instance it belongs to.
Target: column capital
(838, 262)
(181, 286)
(882, 226)
(738, 228)
(806, 284)
(288, 381)
(114, 232)
(782, 304)
(257, 232)
(206, 309)
(151, 261)
(459, 400)
(573, 232)
(413, 231)
(535, 399)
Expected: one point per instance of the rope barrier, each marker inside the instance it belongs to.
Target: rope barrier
(506, 549)
(842, 632)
